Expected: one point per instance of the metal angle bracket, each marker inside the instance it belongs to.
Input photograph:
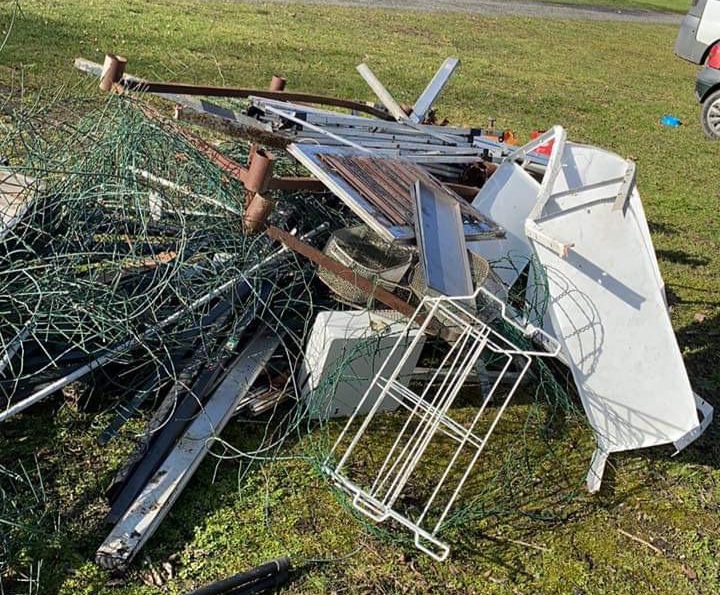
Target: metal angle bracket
(628, 183)
(597, 469)
(432, 91)
(707, 411)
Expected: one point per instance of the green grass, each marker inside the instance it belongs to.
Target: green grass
(607, 83)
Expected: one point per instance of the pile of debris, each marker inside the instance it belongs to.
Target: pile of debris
(196, 283)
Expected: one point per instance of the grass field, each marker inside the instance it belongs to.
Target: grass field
(607, 83)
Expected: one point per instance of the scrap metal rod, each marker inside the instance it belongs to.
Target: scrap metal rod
(133, 83)
(344, 272)
(245, 579)
(243, 93)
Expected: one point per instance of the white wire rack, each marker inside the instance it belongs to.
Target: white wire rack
(419, 476)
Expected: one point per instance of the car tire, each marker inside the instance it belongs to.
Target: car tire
(710, 115)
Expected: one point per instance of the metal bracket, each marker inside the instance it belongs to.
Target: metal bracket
(625, 188)
(432, 91)
(706, 409)
(535, 233)
(597, 469)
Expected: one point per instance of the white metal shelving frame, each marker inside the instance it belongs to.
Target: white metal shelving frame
(428, 418)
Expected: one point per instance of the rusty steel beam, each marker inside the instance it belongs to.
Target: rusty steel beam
(464, 191)
(232, 167)
(135, 84)
(344, 272)
(116, 76)
(231, 128)
(296, 183)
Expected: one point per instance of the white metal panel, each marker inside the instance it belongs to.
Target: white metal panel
(507, 198)
(358, 345)
(608, 310)
(589, 174)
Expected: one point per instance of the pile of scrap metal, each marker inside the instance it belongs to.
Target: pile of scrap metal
(449, 226)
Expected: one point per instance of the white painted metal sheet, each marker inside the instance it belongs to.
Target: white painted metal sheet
(607, 308)
(358, 343)
(507, 198)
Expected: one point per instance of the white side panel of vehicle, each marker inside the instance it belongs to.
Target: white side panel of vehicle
(709, 29)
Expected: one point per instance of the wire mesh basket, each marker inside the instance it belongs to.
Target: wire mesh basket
(482, 276)
(369, 256)
(479, 270)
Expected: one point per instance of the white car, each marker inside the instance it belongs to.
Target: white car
(699, 32)
(699, 42)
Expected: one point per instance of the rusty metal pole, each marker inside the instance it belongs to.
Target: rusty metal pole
(344, 272)
(112, 72)
(257, 207)
(277, 83)
(257, 212)
(260, 171)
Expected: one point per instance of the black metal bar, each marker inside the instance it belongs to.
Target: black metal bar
(164, 440)
(266, 576)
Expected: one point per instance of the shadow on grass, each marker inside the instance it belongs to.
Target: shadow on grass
(680, 257)
(700, 342)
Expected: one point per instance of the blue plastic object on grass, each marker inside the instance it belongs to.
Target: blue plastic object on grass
(670, 121)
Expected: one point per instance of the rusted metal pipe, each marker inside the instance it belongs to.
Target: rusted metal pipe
(277, 83)
(132, 84)
(344, 272)
(112, 72)
(257, 212)
(260, 170)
